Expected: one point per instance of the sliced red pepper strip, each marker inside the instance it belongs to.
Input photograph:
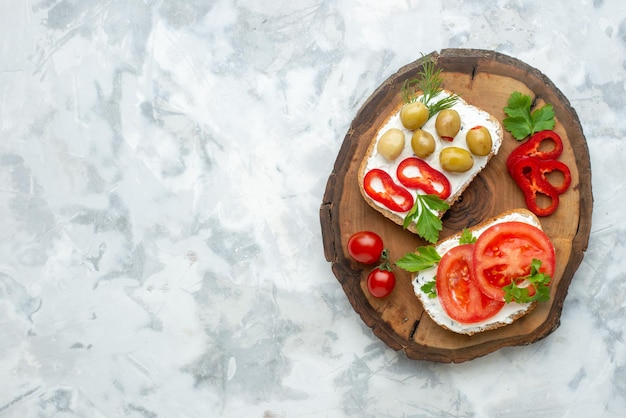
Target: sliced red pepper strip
(379, 185)
(531, 147)
(527, 173)
(416, 173)
(545, 167)
(548, 166)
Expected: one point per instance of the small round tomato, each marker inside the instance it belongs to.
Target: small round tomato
(380, 282)
(365, 247)
(457, 289)
(503, 253)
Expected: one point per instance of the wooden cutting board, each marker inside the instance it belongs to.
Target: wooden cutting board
(485, 79)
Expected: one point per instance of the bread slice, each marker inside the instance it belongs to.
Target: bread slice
(470, 116)
(509, 313)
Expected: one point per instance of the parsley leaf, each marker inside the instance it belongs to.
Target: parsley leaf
(521, 122)
(539, 281)
(543, 118)
(421, 259)
(430, 288)
(425, 215)
(467, 237)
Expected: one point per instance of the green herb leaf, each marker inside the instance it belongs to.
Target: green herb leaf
(445, 103)
(467, 237)
(425, 215)
(543, 118)
(521, 122)
(426, 87)
(421, 259)
(434, 202)
(519, 105)
(538, 281)
(430, 288)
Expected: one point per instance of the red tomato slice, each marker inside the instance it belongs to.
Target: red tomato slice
(503, 253)
(457, 289)
(379, 185)
(418, 174)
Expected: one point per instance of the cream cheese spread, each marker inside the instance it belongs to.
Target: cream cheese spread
(470, 116)
(433, 305)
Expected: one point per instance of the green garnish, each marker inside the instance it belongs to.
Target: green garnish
(425, 215)
(539, 281)
(467, 237)
(421, 259)
(521, 122)
(430, 288)
(426, 87)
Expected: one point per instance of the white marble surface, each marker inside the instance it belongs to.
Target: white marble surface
(162, 163)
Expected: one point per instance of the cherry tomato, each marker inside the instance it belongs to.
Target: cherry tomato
(458, 291)
(379, 185)
(380, 282)
(418, 174)
(365, 247)
(503, 253)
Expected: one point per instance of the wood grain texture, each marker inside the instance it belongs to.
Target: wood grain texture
(485, 79)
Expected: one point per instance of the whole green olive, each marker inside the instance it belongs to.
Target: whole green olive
(423, 143)
(448, 124)
(391, 144)
(479, 140)
(414, 115)
(456, 159)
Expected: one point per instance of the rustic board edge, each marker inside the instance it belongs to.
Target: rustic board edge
(457, 58)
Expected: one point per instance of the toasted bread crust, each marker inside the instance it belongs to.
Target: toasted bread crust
(530, 218)
(394, 217)
(371, 150)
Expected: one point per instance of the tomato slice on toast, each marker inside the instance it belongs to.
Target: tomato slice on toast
(503, 254)
(457, 290)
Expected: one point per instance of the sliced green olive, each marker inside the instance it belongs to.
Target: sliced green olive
(448, 124)
(455, 159)
(414, 115)
(479, 140)
(391, 144)
(423, 143)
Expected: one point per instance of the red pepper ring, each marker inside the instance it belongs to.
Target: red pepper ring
(531, 147)
(379, 185)
(527, 173)
(548, 166)
(416, 173)
(545, 167)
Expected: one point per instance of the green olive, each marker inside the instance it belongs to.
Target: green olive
(456, 159)
(391, 144)
(448, 124)
(479, 140)
(414, 115)
(423, 143)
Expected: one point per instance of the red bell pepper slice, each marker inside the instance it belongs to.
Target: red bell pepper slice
(530, 175)
(548, 166)
(531, 147)
(530, 166)
(379, 185)
(416, 173)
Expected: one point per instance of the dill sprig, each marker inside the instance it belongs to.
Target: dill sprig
(426, 87)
